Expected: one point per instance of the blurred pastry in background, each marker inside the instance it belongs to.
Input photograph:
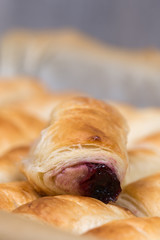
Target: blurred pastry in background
(142, 197)
(67, 59)
(17, 128)
(42, 107)
(142, 122)
(10, 164)
(15, 194)
(133, 228)
(144, 158)
(17, 89)
(29, 95)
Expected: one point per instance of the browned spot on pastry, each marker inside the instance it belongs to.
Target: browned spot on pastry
(95, 138)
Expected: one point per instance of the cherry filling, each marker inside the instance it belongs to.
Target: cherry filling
(100, 183)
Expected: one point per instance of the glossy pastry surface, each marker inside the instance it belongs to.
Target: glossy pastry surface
(41, 106)
(142, 122)
(17, 89)
(82, 152)
(128, 229)
(17, 128)
(73, 213)
(144, 158)
(15, 194)
(142, 197)
(10, 164)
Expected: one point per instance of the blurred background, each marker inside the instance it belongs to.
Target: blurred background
(119, 60)
(127, 23)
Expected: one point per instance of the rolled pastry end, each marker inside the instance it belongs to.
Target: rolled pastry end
(94, 180)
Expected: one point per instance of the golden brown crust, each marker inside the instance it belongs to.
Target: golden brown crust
(10, 164)
(17, 89)
(13, 195)
(151, 141)
(145, 123)
(142, 196)
(144, 158)
(27, 95)
(73, 213)
(84, 120)
(143, 162)
(140, 121)
(128, 111)
(81, 130)
(133, 229)
(17, 129)
(43, 105)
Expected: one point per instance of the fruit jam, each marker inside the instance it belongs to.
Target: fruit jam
(100, 183)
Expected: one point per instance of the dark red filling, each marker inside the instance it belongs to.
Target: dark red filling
(101, 183)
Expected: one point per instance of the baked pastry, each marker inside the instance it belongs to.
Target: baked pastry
(27, 95)
(18, 89)
(142, 197)
(10, 164)
(42, 106)
(142, 122)
(59, 57)
(17, 227)
(23, 51)
(14, 194)
(147, 123)
(144, 158)
(76, 214)
(82, 152)
(133, 229)
(17, 128)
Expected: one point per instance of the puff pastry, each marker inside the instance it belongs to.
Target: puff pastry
(142, 122)
(17, 128)
(10, 164)
(144, 158)
(17, 89)
(128, 229)
(14, 194)
(142, 197)
(82, 152)
(42, 106)
(76, 214)
(60, 56)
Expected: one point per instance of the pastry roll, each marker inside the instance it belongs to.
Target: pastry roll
(59, 57)
(17, 128)
(15, 194)
(144, 158)
(142, 121)
(10, 164)
(128, 229)
(145, 123)
(27, 95)
(82, 152)
(142, 197)
(76, 214)
(41, 107)
(17, 89)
